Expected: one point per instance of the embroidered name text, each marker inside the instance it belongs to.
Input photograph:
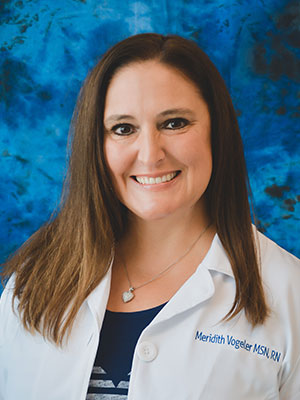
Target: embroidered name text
(238, 344)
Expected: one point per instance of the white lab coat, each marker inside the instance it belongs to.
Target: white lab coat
(185, 353)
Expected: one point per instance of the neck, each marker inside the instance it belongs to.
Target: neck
(165, 239)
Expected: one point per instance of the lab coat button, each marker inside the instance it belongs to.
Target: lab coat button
(147, 351)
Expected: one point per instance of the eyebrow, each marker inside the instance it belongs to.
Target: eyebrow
(117, 117)
(172, 111)
(176, 111)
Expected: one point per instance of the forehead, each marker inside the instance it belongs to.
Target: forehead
(149, 84)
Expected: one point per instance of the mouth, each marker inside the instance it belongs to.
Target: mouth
(148, 180)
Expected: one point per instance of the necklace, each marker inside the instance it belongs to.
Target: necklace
(129, 295)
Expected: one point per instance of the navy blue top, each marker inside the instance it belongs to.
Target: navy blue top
(118, 337)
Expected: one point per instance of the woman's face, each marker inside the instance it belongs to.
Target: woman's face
(157, 140)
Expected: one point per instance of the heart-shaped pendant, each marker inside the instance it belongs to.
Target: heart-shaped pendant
(127, 296)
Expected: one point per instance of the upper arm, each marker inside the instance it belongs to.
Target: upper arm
(290, 390)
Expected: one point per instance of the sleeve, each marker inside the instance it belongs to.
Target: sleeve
(5, 302)
(6, 312)
(281, 276)
(290, 306)
(291, 388)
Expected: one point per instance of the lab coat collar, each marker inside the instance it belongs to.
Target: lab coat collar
(216, 258)
(98, 298)
(198, 288)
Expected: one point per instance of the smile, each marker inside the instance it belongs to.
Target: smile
(146, 180)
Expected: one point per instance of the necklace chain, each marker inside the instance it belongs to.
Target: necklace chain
(127, 296)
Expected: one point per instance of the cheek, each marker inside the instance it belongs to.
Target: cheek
(112, 158)
(114, 164)
(118, 160)
(196, 154)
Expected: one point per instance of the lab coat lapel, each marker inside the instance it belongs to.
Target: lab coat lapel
(199, 287)
(97, 300)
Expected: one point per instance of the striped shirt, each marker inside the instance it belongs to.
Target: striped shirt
(119, 335)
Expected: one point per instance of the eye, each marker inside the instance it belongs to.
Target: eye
(123, 129)
(176, 123)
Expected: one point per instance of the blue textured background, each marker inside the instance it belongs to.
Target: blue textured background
(47, 48)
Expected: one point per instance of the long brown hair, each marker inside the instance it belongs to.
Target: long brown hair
(60, 264)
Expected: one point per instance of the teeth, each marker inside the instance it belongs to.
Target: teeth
(153, 181)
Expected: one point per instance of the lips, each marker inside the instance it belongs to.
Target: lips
(154, 180)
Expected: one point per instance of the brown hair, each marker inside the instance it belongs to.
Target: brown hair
(60, 265)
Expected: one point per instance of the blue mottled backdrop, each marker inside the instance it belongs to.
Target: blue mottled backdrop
(47, 48)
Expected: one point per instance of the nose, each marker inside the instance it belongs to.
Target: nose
(150, 147)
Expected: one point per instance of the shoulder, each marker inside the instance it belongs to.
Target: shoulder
(277, 264)
(8, 311)
(280, 272)
(7, 295)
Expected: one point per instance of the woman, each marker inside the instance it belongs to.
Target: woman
(151, 272)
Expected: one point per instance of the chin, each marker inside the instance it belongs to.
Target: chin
(153, 214)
